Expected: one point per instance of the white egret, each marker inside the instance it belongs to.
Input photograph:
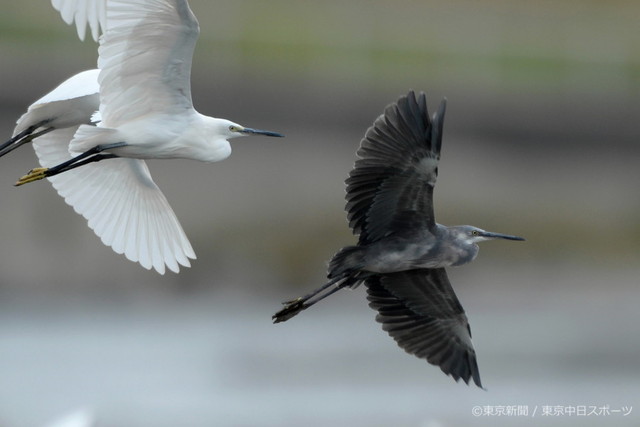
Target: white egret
(71, 104)
(76, 99)
(144, 112)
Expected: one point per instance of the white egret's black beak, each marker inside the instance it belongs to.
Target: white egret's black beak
(490, 235)
(250, 131)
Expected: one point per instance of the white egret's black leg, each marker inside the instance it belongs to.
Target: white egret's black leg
(23, 137)
(295, 306)
(94, 154)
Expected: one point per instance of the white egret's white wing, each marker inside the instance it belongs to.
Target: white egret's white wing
(122, 204)
(83, 12)
(145, 58)
(81, 84)
(71, 103)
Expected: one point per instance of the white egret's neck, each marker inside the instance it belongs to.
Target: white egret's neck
(206, 139)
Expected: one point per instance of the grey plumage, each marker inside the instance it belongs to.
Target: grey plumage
(401, 251)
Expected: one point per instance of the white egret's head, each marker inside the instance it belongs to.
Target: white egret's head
(229, 130)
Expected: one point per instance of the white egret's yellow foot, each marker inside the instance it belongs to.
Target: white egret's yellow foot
(33, 175)
(291, 308)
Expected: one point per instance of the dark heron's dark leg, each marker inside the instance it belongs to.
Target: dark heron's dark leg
(23, 137)
(92, 155)
(295, 306)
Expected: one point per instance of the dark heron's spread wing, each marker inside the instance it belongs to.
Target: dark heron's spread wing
(419, 310)
(390, 190)
(396, 170)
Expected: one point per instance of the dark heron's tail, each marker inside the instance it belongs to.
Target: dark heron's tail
(345, 262)
(344, 272)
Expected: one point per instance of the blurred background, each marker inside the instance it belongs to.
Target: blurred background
(541, 140)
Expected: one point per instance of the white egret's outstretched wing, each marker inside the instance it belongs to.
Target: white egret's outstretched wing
(145, 57)
(391, 184)
(71, 103)
(84, 12)
(122, 204)
(419, 309)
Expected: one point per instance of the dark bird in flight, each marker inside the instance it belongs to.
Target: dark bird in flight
(402, 252)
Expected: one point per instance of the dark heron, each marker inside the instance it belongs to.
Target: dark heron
(402, 252)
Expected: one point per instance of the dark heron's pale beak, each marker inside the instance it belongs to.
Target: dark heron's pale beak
(490, 235)
(250, 131)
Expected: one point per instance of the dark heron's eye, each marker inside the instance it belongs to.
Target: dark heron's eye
(475, 233)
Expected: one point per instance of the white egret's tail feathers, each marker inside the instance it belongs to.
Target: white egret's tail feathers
(96, 117)
(89, 136)
(120, 201)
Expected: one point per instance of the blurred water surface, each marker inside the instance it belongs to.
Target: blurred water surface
(217, 359)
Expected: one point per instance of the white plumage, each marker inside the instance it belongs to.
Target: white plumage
(136, 106)
(121, 203)
(70, 103)
(83, 12)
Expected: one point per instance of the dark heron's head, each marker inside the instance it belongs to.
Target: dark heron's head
(470, 235)
(463, 240)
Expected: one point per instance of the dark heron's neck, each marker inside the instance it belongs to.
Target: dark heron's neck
(455, 245)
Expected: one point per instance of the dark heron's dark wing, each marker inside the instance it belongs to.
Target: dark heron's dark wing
(396, 171)
(419, 310)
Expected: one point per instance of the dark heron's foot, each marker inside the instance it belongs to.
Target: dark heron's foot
(33, 175)
(291, 308)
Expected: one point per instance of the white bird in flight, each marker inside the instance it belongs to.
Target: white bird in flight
(136, 106)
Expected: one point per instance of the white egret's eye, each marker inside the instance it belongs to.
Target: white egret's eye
(233, 128)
